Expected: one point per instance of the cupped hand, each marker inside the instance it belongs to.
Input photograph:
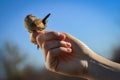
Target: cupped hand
(63, 53)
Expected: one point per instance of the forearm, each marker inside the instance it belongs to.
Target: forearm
(100, 68)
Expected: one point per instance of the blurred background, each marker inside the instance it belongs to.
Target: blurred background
(95, 22)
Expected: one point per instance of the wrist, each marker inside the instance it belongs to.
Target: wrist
(100, 68)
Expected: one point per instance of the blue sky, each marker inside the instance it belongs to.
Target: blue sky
(95, 22)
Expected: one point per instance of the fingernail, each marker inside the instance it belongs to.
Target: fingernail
(69, 50)
(68, 44)
(62, 36)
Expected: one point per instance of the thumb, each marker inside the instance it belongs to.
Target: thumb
(34, 35)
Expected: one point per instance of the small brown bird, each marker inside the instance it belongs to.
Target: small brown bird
(33, 24)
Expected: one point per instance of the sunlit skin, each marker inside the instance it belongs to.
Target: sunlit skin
(67, 55)
(61, 53)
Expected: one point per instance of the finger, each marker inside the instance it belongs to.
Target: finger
(54, 56)
(50, 35)
(33, 36)
(55, 44)
(59, 51)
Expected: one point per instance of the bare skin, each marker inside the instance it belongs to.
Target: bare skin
(67, 55)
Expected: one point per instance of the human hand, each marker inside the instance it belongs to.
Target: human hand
(63, 53)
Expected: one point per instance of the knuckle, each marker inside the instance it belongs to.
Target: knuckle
(62, 43)
(67, 34)
(54, 34)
